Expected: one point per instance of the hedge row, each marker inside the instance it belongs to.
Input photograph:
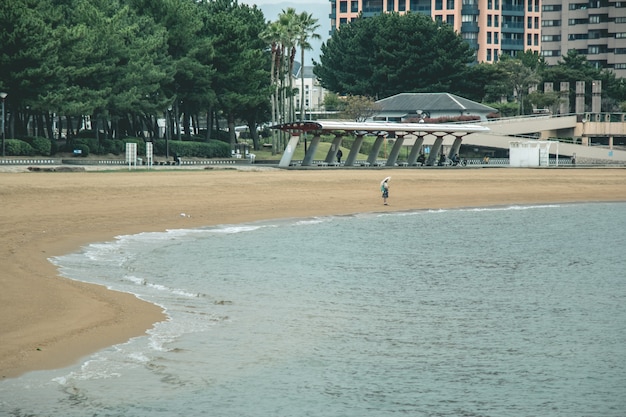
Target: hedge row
(44, 147)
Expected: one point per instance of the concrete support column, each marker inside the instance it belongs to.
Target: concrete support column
(310, 153)
(332, 152)
(285, 161)
(580, 97)
(434, 151)
(412, 159)
(378, 143)
(596, 96)
(354, 150)
(564, 105)
(610, 142)
(456, 146)
(395, 151)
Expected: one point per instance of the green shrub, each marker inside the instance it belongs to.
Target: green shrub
(84, 149)
(113, 146)
(211, 149)
(91, 143)
(42, 146)
(16, 147)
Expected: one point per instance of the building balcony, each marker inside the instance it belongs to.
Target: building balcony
(512, 44)
(510, 10)
(473, 43)
(469, 27)
(470, 9)
(512, 27)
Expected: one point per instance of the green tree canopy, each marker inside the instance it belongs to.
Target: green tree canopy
(242, 79)
(392, 53)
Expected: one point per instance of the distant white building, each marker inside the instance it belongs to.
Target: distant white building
(313, 92)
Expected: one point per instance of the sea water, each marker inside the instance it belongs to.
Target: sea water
(505, 311)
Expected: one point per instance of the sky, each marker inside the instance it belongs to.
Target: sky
(320, 9)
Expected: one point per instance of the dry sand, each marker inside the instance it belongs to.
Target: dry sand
(50, 322)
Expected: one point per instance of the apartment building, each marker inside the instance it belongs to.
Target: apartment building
(492, 27)
(595, 28)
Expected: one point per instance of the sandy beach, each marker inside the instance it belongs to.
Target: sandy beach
(49, 321)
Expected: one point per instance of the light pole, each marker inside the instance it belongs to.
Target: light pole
(3, 95)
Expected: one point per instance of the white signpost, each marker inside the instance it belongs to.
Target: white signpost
(131, 155)
(149, 150)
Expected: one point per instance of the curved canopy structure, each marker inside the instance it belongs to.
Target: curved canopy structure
(379, 129)
(376, 127)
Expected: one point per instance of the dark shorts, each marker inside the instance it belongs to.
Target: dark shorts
(385, 193)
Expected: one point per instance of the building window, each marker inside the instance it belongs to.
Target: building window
(496, 21)
(620, 66)
(343, 7)
(550, 23)
(550, 38)
(529, 39)
(488, 38)
(596, 4)
(536, 5)
(529, 23)
(343, 20)
(578, 6)
(598, 18)
(598, 34)
(488, 20)
(497, 7)
(551, 8)
(536, 39)
(450, 19)
(547, 52)
(577, 36)
(495, 55)
(450, 4)
(620, 35)
(391, 4)
(489, 54)
(536, 23)
(402, 5)
(574, 22)
(489, 4)
(495, 37)
(438, 4)
(354, 6)
(438, 18)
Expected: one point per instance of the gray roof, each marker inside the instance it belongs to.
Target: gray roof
(432, 102)
(308, 70)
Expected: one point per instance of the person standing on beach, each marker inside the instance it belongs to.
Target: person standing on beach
(384, 189)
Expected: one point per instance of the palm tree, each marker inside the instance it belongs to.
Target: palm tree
(306, 27)
(272, 35)
(289, 20)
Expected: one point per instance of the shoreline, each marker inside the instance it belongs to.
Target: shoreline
(50, 322)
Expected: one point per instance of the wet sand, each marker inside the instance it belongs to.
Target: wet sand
(50, 322)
